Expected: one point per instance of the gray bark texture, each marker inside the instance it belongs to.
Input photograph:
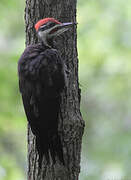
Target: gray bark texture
(71, 124)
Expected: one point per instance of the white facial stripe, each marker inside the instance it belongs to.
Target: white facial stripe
(43, 36)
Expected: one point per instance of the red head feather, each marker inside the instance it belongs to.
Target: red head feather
(44, 21)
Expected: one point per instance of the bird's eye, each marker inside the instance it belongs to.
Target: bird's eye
(51, 24)
(47, 26)
(42, 28)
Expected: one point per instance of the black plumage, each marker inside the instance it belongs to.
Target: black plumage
(41, 81)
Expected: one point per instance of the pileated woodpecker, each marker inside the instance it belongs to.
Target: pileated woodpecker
(41, 81)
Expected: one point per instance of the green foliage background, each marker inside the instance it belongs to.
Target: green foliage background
(104, 46)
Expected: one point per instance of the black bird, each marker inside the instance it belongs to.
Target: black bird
(41, 81)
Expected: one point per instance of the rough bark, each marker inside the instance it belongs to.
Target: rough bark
(71, 125)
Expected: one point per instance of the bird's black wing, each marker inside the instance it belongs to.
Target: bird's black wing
(41, 81)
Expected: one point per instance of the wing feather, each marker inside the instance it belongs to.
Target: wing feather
(41, 81)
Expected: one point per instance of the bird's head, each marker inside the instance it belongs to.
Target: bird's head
(48, 28)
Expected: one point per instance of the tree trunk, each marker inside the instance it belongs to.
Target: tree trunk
(71, 125)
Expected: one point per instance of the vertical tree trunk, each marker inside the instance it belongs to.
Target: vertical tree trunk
(71, 125)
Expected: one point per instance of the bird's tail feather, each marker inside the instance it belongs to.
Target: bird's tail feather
(56, 149)
(50, 145)
(42, 147)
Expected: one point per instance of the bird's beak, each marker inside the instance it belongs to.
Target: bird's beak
(68, 24)
(61, 28)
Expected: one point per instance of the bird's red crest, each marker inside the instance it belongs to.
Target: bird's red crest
(44, 21)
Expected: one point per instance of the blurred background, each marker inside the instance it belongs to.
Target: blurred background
(104, 47)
